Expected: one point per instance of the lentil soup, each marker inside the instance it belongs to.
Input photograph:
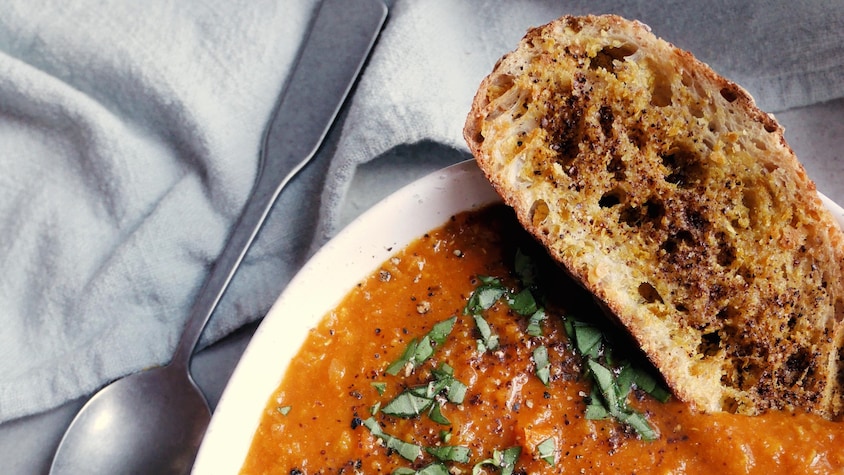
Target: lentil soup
(469, 352)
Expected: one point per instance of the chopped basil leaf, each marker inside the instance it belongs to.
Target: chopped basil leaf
(283, 410)
(417, 400)
(522, 303)
(380, 387)
(433, 469)
(543, 367)
(450, 453)
(484, 296)
(456, 392)
(648, 383)
(606, 385)
(525, 268)
(436, 415)
(405, 449)
(443, 370)
(596, 411)
(588, 339)
(614, 403)
(441, 330)
(546, 450)
(505, 460)
(534, 326)
(625, 380)
(489, 340)
(375, 408)
(424, 350)
(640, 424)
(568, 326)
(420, 349)
(407, 404)
(398, 365)
(445, 436)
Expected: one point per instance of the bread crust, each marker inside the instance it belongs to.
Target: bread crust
(666, 192)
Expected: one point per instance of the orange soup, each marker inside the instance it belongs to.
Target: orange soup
(468, 352)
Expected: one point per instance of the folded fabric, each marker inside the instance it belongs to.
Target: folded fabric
(130, 134)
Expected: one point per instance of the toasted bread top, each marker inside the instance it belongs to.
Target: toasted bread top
(665, 191)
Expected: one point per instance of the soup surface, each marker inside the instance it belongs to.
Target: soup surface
(468, 352)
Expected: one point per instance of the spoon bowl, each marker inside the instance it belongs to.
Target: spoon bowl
(153, 421)
(124, 424)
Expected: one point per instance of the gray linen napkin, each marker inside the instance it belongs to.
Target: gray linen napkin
(130, 135)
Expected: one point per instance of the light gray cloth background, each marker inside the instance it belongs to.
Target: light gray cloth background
(130, 132)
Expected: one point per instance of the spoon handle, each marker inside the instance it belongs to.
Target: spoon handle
(340, 37)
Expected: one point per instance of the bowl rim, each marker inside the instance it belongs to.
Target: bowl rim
(352, 255)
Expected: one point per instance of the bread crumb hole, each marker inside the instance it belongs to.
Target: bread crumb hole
(687, 79)
(727, 314)
(649, 293)
(651, 212)
(611, 198)
(729, 94)
(538, 212)
(726, 254)
(506, 98)
(770, 167)
(710, 343)
(746, 274)
(661, 88)
(752, 201)
(500, 84)
(618, 169)
(605, 57)
(672, 244)
(682, 167)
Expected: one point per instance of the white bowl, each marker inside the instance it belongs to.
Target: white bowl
(321, 284)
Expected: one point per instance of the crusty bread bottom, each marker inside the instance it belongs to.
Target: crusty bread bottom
(676, 201)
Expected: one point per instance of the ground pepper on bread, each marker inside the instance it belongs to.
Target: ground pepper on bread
(663, 189)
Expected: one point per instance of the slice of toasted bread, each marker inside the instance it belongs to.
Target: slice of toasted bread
(662, 187)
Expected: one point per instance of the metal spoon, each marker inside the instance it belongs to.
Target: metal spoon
(154, 421)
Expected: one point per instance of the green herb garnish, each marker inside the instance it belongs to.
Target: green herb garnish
(283, 410)
(484, 296)
(525, 269)
(380, 387)
(522, 302)
(408, 404)
(450, 453)
(588, 339)
(610, 400)
(433, 469)
(543, 366)
(546, 450)
(405, 449)
(488, 340)
(534, 326)
(420, 349)
(422, 399)
(505, 460)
